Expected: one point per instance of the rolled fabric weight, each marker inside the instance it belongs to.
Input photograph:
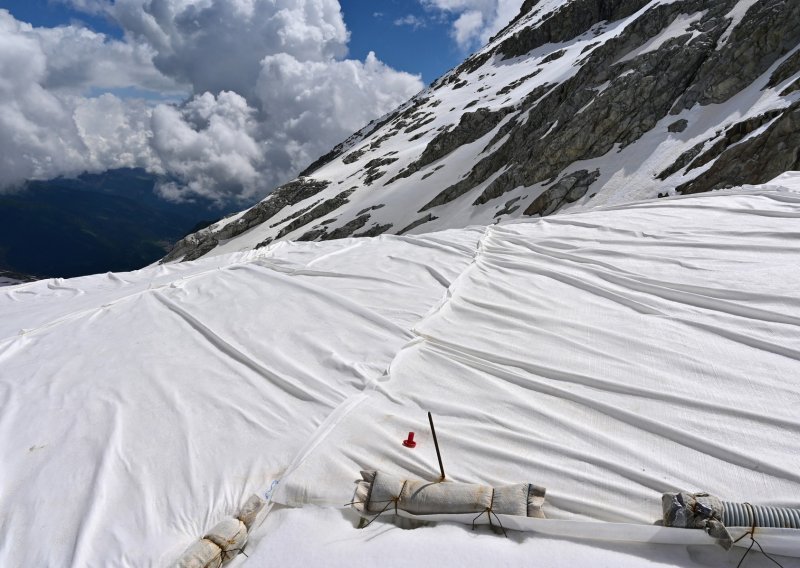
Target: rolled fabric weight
(377, 492)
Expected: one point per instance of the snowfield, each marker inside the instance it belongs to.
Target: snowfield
(609, 355)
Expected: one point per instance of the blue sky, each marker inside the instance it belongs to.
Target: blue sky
(49, 13)
(402, 33)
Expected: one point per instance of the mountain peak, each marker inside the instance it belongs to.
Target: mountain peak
(573, 104)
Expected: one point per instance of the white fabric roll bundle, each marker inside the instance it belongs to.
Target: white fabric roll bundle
(379, 492)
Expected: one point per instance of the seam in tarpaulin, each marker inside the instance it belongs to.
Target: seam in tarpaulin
(435, 309)
(373, 385)
(327, 426)
(448, 293)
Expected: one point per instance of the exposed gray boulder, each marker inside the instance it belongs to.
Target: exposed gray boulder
(678, 125)
(509, 207)
(795, 86)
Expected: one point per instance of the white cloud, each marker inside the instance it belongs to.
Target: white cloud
(37, 137)
(475, 20)
(410, 20)
(467, 27)
(78, 58)
(116, 133)
(211, 145)
(313, 102)
(266, 86)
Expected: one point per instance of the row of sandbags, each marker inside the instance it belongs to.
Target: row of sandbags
(227, 539)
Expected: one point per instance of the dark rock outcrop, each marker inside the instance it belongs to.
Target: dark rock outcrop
(417, 223)
(288, 194)
(683, 160)
(789, 67)
(584, 124)
(756, 160)
(733, 134)
(320, 210)
(372, 171)
(678, 125)
(296, 214)
(374, 231)
(368, 209)
(572, 20)
(568, 189)
(347, 229)
(768, 31)
(471, 127)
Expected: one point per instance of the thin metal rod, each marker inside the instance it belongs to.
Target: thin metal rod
(436, 443)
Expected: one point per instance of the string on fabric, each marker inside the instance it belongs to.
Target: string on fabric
(222, 553)
(388, 502)
(239, 550)
(489, 512)
(372, 520)
(753, 540)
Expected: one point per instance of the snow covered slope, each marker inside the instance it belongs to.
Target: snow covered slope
(576, 104)
(608, 355)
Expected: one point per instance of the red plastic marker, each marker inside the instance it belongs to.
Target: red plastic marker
(410, 443)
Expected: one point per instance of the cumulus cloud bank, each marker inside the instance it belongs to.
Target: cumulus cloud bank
(475, 20)
(264, 88)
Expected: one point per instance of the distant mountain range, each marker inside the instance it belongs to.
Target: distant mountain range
(573, 105)
(94, 223)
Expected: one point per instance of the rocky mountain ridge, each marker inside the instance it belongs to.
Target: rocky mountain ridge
(576, 103)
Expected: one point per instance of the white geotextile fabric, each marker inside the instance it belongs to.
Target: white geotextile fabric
(608, 356)
(315, 536)
(140, 409)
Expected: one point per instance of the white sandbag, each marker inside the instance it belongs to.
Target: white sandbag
(219, 546)
(201, 554)
(379, 492)
(252, 512)
(230, 535)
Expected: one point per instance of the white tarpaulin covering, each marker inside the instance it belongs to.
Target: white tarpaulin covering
(608, 356)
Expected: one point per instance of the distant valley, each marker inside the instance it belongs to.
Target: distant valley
(94, 223)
